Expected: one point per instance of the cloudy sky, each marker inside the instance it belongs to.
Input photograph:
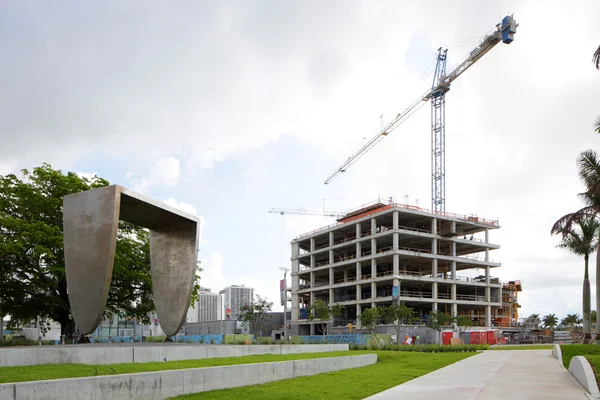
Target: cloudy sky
(226, 109)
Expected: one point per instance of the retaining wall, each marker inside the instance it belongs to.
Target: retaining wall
(164, 384)
(147, 352)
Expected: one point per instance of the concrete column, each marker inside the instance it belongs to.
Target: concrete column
(396, 265)
(434, 306)
(487, 235)
(358, 250)
(373, 268)
(487, 284)
(373, 226)
(331, 297)
(312, 261)
(488, 316)
(373, 290)
(396, 217)
(358, 271)
(295, 249)
(345, 275)
(358, 313)
(454, 310)
(434, 226)
(295, 287)
(358, 294)
(330, 238)
(331, 260)
(312, 280)
(373, 246)
(358, 231)
(396, 241)
(312, 298)
(331, 277)
(312, 244)
(312, 329)
(453, 291)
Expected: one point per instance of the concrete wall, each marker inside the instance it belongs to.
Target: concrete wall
(165, 384)
(147, 352)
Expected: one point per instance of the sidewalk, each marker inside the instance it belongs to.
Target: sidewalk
(494, 374)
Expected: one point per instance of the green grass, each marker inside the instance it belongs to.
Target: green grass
(595, 363)
(571, 350)
(391, 369)
(61, 371)
(540, 347)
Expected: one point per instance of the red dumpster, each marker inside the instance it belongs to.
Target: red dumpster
(491, 339)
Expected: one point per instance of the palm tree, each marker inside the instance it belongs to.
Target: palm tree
(588, 164)
(581, 239)
(550, 321)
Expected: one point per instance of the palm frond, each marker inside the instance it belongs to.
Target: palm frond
(596, 58)
(597, 125)
(589, 172)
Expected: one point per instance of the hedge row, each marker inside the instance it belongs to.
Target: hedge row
(426, 348)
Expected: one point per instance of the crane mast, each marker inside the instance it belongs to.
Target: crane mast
(441, 85)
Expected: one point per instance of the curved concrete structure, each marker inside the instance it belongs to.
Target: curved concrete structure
(581, 370)
(90, 222)
(557, 352)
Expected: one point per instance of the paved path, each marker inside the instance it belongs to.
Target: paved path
(494, 374)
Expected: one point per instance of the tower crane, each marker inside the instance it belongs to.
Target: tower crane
(441, 85)
(301, 211)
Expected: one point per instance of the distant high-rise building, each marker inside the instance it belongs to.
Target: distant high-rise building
(236, 296)
(208, 306)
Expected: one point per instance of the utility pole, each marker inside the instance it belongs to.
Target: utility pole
(284, 301)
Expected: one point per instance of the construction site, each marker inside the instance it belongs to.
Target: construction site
(389, 252)
(385, 252)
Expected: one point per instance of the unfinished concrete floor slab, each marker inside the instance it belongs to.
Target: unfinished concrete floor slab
(494, 374)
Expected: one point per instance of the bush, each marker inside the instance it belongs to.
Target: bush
(155, 338)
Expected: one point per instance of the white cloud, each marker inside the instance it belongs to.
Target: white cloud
(88, 175)
(165, 172)
(212, 275)
(185, 207)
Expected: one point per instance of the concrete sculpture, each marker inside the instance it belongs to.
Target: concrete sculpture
(90, 222)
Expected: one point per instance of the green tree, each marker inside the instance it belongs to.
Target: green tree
(32, 270)
(437, 321)
(399, 315)
(581, 239)
(255, 316)
(318, 311)
(463, 323)
(369, 319)
(550, 321)
(588, 164)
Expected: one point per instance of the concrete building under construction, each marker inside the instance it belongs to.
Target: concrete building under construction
(384, 253)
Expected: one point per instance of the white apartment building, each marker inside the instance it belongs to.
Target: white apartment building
(235, 297)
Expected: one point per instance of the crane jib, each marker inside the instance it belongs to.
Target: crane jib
(504, 33)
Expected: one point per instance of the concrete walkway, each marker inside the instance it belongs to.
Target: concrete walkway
(494, 374)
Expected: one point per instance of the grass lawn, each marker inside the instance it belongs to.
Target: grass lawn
(61, 371)
(539, 347)
(391, 369)
(571, 350)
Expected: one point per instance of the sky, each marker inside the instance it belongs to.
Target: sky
(227, 109)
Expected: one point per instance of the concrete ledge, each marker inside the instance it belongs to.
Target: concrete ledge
(556, 352)
(164, 384)
(127, 353)
(581, 370)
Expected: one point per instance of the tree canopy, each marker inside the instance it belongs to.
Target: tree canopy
(319, 311)
(255, 315)
(32, 267)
